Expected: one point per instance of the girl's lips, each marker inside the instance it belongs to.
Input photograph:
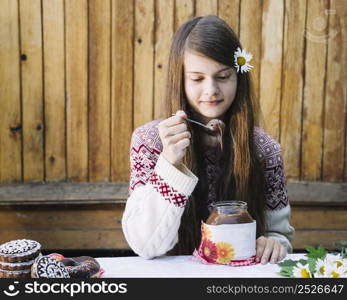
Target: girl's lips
(212, 102)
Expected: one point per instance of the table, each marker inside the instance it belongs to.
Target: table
(182, 266)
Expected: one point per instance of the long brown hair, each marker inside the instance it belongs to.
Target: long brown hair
(242, 175)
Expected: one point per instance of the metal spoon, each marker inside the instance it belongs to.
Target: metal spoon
(198, 123)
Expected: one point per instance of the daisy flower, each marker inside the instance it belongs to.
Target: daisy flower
(332, 271)
(225, 253)
(301, 271)
(336, 260)
(242, 59)
(321, 265)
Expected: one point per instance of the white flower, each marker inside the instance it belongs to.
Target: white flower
(242, 59)
(333, 266)
(336, 260)
(321, 266)
(332, 271)
(301, 271)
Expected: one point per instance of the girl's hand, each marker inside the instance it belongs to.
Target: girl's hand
(269, 249)
(175, 137)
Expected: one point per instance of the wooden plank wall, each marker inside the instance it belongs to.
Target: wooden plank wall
(77, 76)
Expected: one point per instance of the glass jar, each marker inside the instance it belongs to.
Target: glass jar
(229, 212)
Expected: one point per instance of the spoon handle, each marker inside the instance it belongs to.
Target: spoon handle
(198, 123)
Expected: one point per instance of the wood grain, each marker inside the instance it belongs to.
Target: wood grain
(63, 193)
(320, 194)
(76, 14)
(122, 87)
(317, 193)
(206, 7)
(10, 106)
(271, 65)
(228, 10)
(54, 87)
(250, 37)
(163, 35)
(292, 96)
(70, 239)
(327, 238)
(315, 67)
(184, 10)
(60, 218)
(311, 218)
(32, 90)
(99, 89)
(335, 94)
(144, 57)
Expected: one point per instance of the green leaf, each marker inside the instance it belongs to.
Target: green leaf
(312, 264)
(310, 249)
(288, 263)
(292, 263)
(287, 271)
(316, 252)
(303, 261)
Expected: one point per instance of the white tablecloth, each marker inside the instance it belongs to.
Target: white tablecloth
(182, 266)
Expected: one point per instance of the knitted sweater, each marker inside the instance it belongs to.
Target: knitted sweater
(158, 193)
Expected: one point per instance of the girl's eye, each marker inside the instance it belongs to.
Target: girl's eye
(196, 79)
(223, 77)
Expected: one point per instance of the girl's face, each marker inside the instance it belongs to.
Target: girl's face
(210, 87)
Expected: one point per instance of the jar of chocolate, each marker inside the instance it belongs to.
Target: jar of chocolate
(229, 212)
(229, 235)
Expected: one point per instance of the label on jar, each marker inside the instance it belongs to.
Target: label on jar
(225, 243)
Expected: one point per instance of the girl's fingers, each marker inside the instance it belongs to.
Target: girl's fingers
(283, 252)
(181, 145)
(176, 138)
(174, 120)
(275, 252)
(173, 130)
(267, 251)
(261, 243)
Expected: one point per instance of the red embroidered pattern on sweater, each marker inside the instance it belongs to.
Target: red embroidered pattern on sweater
(144, 152)
(142, 162)
(166, 191)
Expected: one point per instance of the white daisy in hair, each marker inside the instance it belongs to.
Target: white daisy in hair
(301, 271)
(242, 59)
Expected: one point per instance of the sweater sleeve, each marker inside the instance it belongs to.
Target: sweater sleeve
(277, 211)
(157, 196)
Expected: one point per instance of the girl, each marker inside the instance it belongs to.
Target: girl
(178, 169)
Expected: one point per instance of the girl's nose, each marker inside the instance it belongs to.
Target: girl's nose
(210, 89)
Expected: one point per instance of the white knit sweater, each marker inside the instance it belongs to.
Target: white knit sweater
(159, 191)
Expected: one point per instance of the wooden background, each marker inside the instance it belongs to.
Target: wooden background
(77, 76)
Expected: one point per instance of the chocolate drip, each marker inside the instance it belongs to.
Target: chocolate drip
(216, 127)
